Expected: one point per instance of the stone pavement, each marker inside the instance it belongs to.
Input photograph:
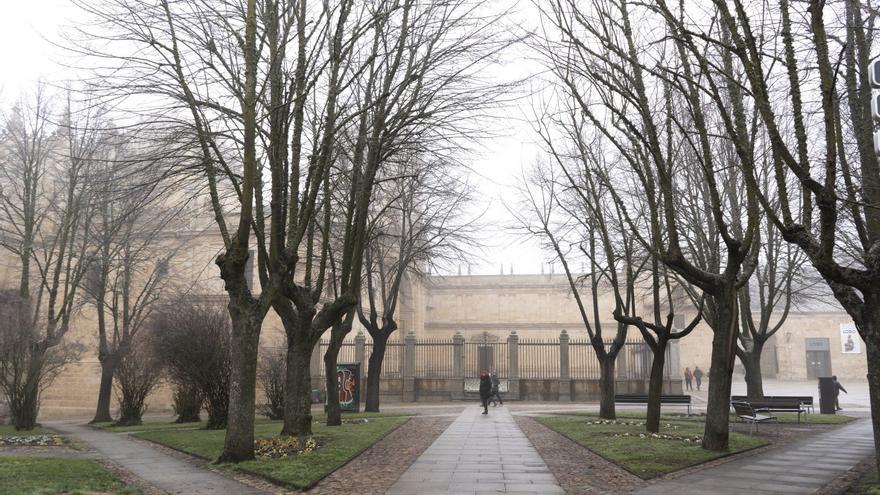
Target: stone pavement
(160, 470)
(797, 468)
(479, 454)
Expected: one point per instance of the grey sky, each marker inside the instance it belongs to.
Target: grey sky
(27, 55)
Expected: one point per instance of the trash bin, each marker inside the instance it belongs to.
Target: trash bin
(826, 395)
(316, 396)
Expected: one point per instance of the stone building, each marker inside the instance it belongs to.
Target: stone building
(481, 308)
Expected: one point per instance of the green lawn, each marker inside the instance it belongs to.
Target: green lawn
(816, 419)
(870, 485)
(645, 456)
(46, 475)
(337, 445)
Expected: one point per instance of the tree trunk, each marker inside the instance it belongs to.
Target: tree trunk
(655, 388)
(717, 430)
(105, 391)
(752, 365)
(298, 386)
(239, 442)
(606, 388)
(872, 349)
(374, 372)
(24, 411)
(331, 383)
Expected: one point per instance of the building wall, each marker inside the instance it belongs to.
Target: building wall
(535, 306)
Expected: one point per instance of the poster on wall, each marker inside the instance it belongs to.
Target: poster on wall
(850, 342)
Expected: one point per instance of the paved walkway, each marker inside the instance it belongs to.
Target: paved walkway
(157, 468)
(479, 454)
(797, 468)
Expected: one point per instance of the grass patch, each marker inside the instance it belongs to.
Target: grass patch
(815, 419)
(646, 456)
(338, 445)
(870, 485)
(46, 475)
(10, 431)
(170, 425)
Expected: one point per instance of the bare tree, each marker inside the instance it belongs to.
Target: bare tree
(640, 88)
(129, 274)
(417, 223)
(572, 232)
(46, 209)
(816, 125)
(264, 109)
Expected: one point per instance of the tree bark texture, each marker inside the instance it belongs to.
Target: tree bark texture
(105, 391)
(655, 388)
(716, 432)
(607, 387)
(239, 442)
(298, 387)
(374, 372)
(751, 361)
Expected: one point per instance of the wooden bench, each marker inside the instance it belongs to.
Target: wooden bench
(748, 413)
(778, 403)
(664, 399)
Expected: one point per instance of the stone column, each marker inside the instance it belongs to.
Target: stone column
(456, 385)
(409, 367)
(673, 361)
(564, 376)
(360, 342)
(513, 366)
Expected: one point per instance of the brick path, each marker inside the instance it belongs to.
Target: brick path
(160, 470)
(479, 454)
(797, 468)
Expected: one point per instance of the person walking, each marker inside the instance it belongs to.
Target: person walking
(485, 389)
(837, 388)
(698, 376)
(495, 394)
(688, 379)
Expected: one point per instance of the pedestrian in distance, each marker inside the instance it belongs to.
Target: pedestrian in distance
(698, 376)
(485, 389)
(837, 388)
(688, 379)
(495, 394)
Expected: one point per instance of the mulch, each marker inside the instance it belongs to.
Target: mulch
(377, 468)
(848, 482)
(577, 469)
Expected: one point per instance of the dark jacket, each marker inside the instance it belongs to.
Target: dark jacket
(485, 386)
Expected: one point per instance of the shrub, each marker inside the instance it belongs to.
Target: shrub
(271, 375)
(137, 375)
(193, 341)
(187, 403)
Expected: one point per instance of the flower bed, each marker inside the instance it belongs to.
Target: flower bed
(32, 440)
(280, 447)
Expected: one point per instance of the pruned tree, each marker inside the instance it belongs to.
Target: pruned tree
(263, 95)
(46, 209)
(416, 223)
(811, 93)
(129, 273)
(636, 83)
(571, 230)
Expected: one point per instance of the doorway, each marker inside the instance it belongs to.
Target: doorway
(818, 358)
